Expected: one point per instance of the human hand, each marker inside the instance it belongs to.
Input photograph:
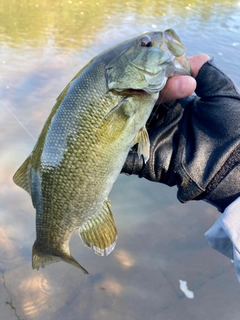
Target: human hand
(182, 86)
(194, 144)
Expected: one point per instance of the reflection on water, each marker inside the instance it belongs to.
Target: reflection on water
(35, 291)
(124, 258)
(73, 23)
(112, 286)
(8, 250)
(43, 45)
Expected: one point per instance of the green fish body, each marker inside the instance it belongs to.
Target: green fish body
(84, 143)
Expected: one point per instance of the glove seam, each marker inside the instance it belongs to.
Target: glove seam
(226, 168)
(189, 188)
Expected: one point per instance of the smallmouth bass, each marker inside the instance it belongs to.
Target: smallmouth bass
(84, 143)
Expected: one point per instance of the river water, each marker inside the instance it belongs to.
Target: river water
(43, 45)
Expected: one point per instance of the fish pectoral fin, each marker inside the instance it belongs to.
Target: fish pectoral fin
(22, 176)
(143, 141)
(114, 123)
(100, 232)
(40, 259)
(125, 108)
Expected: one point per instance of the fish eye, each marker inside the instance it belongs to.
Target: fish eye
(146, 42)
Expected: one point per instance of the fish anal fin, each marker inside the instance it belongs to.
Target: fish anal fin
(40, 259)
(142, 139)
(100, 232)
(22, 175)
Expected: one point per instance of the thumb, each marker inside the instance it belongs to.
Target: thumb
(197, 62)
(176, 88)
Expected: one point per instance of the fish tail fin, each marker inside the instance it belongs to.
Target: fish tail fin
(69, 259)
(99, 232)
(40, 259)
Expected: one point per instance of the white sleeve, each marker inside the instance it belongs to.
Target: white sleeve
(224, 235)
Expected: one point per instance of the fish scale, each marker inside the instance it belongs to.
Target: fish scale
(83, 145)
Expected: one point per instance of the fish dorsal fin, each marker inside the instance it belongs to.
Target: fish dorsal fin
(142, 139)
(22, 176)
(100, 232)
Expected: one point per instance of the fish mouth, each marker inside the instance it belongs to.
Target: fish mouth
(155, 88)
(157, 80)
(172, 66)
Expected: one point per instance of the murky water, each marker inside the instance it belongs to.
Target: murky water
(43, 45)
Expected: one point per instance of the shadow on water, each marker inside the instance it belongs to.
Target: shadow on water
(43, 45)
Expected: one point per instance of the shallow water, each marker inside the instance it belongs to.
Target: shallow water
(43, 45)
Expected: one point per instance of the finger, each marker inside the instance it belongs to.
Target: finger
(197, 62)
(176, 88)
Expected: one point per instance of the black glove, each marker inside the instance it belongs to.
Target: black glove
(195, 144)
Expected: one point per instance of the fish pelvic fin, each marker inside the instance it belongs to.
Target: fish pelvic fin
(100, 232)
(40, 259)
(142, 139)
(22, 176)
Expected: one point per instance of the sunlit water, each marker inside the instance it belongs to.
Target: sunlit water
(43, 45)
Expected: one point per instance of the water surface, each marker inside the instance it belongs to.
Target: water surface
(43, 45)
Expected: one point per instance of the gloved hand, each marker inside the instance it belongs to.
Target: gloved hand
(195, 142)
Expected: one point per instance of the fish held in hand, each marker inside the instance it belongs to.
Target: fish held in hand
(84, 143)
